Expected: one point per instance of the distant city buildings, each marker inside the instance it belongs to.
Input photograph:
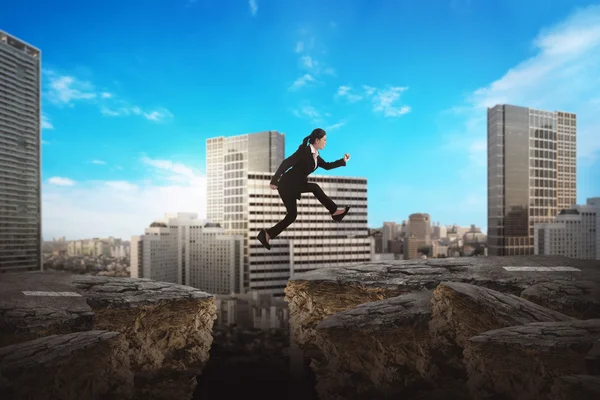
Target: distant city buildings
(573, 233)
(417, 238)
(531, 173)
(107, 247)
(20, 155)
(239, 169)
(185, 250)
(252, 310)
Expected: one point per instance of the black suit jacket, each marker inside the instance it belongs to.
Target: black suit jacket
(300, 165)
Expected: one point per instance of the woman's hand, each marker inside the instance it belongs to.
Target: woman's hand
(273, 187)
(346, 157)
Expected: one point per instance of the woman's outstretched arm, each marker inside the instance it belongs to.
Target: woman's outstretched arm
(330, 165)
(285, 165)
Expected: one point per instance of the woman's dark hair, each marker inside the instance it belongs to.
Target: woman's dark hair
(314, 135)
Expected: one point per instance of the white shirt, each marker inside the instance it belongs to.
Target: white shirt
(315, 154)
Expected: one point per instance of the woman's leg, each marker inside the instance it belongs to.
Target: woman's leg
(289, 200)
(321, 196)
(336, 214)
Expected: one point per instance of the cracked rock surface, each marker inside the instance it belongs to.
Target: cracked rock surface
(580, 299)
(166, 325)
(81, 365)
(398, 329)
(461, 311)
(375, 349)
(165, 329)
(521, 362)
(314, 295)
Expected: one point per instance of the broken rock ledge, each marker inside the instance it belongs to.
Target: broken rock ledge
(408, 328)
(139, 338)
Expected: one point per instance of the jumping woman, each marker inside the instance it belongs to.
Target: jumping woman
(295, 182)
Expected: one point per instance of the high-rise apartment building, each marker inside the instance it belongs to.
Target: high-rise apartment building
(573, 233)
(531, 174)
(314, 240)
(184, 250)
(228, 160)
(20, 156)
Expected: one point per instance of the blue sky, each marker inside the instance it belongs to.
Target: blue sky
(132, 89)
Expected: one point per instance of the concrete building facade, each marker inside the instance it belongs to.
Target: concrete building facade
(531, 173)
(184, 250)
(20, 155)
(314, 240)
(228, 160)
(573, 233)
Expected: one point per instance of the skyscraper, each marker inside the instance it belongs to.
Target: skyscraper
(20, 156)
(531, 173)
(228, 160)
(185, 250)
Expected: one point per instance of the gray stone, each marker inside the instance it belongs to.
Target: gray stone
(375, 350)
(520, 362)
(80, 365)
(314, 295)
(580, 299)
(462, 310)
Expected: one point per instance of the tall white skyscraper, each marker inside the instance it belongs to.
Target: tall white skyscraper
(531, 174)
(228, 160)
(185, 250)
(20, 156)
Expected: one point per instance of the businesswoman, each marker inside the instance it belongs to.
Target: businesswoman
(291, 184)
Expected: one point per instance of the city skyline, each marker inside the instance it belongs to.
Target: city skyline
(124, 141)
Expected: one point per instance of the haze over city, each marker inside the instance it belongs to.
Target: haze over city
(132, 90)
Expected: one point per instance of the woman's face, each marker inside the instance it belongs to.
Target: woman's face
(320, 143)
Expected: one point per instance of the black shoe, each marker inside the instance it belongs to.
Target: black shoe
(341, 216)
(262, 237)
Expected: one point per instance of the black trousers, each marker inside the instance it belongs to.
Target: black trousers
(289, 200)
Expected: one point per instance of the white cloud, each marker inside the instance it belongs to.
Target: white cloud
(308, 63)
(335, 126)
(60, 181)
(344, 91)
(122, 208)
(253, 7)
(121, 185)
(65, 89)
(299, 47)
(384, 100)
(309, 113)
(302, 81)
(562, 75)
(158, 115)
(98, 162)
(315, 67)
(46, 124)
